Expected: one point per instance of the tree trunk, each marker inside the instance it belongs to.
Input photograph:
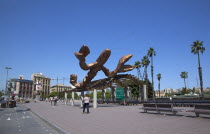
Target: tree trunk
(137, 72)
(184, 83)
(112, 93)
(152, 69)
(200, 76)
(103, 97)
(146, 81)
(159, 88)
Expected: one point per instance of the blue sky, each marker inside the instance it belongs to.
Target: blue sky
(42, 36)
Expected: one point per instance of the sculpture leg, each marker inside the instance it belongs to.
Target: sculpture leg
(95, 98)
(72, 98)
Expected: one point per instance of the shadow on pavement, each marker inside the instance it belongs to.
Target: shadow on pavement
(178, 115)
(200, 117)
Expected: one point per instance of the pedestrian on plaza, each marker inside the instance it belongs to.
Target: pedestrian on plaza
(51, 100)
(7, 102)
(86, 104)
(55, 101)
(46, 99)
(13, 97)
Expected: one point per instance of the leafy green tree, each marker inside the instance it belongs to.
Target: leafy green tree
(185, 91)
(53, 94)
(90, 95)
(168, 94)
(145, 63)
(138, 66)
(150, 91)
(69, 95)
(108, 94)
(61, 95)
(151, 52)
(184, 75)
(1, 94)
(76, 96)
(159, 77)
(135, 91)
(198, 48)
(208, 92)
(135, 88)
(99, 94)
(193, 90)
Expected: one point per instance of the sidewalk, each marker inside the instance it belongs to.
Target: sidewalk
(110, 119)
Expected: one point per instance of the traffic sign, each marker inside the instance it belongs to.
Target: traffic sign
(120, 94)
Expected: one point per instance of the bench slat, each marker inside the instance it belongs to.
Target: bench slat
(202, 111)
(160, 107)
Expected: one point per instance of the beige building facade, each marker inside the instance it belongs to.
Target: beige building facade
(162, 93)
(21, 88)
(41, 84)
(60, 88)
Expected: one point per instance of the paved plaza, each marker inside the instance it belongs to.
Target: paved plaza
(118, 119)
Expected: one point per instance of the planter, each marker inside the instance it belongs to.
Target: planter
(11, 104)
(27, 101)
(3, 105)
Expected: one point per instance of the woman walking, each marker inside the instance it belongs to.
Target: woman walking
(86, 104)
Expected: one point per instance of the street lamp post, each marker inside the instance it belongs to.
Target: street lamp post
(7, 68)
(58, 90)
(57, 85)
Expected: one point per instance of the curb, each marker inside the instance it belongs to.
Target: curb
(54, 126)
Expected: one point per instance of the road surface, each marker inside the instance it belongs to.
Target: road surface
(20, 120)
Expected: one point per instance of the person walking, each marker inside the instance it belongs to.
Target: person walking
(46, 99)
(55, 101)
(51, 101)
(86, 104)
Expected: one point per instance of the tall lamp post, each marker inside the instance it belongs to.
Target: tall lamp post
(7, 68)
(58, 90)
(57, 85)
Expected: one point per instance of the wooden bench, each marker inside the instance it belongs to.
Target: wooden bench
(149, 107)
(160, 107)
(167, 108)
(202, 109)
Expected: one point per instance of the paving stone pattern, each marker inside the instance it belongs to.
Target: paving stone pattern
(115, 119)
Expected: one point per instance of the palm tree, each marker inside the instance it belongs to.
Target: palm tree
(159, 77)
(150, 53)
(145, 63)
(198, 48)
(138, 66)
(184, 75)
